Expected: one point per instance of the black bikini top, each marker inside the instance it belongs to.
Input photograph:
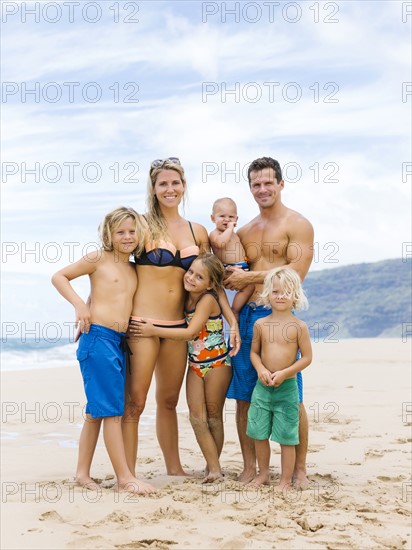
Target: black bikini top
(165, 254)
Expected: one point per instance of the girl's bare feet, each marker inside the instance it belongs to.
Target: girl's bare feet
(212, 476)
(261, 479)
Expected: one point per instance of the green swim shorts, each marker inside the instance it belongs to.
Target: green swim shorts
(274, 413)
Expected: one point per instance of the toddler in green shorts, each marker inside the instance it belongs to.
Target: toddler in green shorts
(277, 338)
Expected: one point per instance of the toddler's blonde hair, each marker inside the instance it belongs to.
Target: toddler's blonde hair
(290, 284)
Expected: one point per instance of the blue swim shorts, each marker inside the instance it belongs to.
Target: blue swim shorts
(244, 375)
(274, 413)
(103, 367)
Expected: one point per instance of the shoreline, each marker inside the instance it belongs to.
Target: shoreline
(356, 394)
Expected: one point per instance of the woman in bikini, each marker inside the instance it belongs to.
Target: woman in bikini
(172, 244)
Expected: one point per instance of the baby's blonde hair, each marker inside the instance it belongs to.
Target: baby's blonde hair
(111, 222)
(223, 199)
(290, 284)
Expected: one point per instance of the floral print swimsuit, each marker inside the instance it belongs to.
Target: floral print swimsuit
(208, 350)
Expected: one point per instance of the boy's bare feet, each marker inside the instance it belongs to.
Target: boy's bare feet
(300, 481)
(247, 476)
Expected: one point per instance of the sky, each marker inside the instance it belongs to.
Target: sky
(92, 92)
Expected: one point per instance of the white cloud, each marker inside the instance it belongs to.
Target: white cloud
(169, 54)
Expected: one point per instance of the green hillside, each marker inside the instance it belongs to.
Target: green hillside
(360, 301)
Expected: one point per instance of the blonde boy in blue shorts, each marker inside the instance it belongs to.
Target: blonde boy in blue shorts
(274, 408)
(101, 351)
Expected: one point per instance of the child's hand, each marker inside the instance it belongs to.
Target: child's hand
(236, 314)
(231, 225)
(83, 318)
(277, 378)
(142, 328)
(265, 376)
(234, 340)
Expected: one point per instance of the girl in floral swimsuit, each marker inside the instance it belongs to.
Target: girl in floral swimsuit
(210, 370)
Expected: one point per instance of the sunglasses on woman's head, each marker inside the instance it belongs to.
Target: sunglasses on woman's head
(158, 162)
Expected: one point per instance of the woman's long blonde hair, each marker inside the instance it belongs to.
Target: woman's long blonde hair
(155, 219)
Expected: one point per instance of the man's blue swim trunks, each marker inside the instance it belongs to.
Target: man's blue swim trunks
(103, 367)
(244, 375)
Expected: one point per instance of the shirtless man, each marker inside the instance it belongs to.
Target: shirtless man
(277, 236)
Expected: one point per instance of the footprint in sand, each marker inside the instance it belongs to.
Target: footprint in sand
(119, 518)
(94, 541)
(146, 460)
(391, 479)
(316, 448)
(374, 453)
(394, 542)
(157, 544)
(234, 543)
(166, 514)
(186, 497)
(340, 437)
(304, 524)
(403, 440)
(51, 516)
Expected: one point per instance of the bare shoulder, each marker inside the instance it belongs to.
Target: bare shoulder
(198, 228)
(209, 304)
(301, 324)
(296, 221)
(201, 235)
(245, 229)
(213, 234)
(260, 322)
(95, 257)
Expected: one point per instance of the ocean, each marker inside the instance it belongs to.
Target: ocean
(35, 353)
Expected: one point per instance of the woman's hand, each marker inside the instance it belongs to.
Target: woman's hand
(142, 327)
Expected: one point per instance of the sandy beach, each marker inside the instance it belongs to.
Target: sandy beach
(358, 397)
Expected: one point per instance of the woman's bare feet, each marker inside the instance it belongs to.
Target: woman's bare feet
(180, 472)
(135, 486)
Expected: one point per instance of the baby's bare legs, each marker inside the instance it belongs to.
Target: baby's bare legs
(262, 448)
(113, 438)
(87, 446)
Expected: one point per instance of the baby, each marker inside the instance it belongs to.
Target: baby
(227, 247)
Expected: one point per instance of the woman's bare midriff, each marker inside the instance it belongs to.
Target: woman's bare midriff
(160, 293)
